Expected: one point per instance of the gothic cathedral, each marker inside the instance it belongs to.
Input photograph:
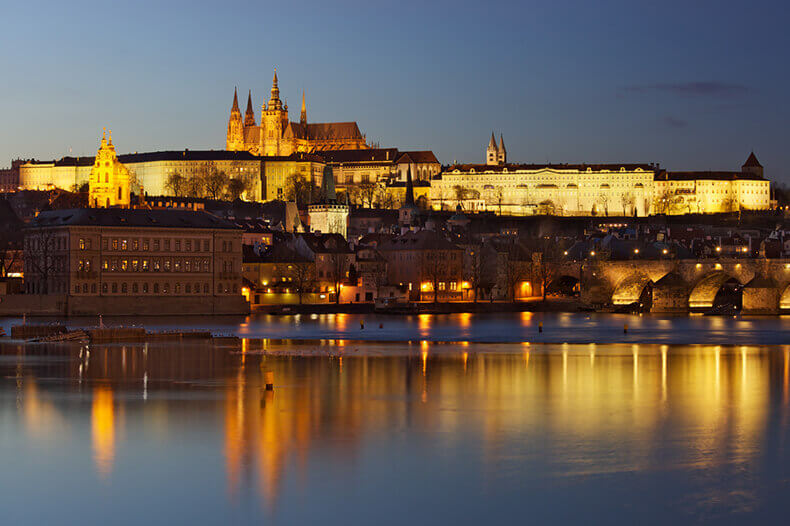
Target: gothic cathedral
(276, 135)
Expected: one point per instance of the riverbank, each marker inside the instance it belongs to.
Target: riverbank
(538, 305)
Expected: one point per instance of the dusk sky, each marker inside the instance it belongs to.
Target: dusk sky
(692, 85)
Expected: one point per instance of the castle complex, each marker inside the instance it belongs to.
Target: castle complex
(277, 135)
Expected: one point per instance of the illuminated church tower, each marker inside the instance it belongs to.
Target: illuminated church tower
(110, 181)
(235, 137)
(273, 117)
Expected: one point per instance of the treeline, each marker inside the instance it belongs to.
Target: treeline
(208, 182)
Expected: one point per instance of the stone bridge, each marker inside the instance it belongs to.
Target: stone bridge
(684, 285)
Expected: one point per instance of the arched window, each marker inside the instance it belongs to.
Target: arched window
(156, 288)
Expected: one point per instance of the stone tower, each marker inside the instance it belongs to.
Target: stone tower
(501, 152)
(329, 216)
(273, 116)
(752, 166)
(109, 182)
(235, 137)
(492, 152)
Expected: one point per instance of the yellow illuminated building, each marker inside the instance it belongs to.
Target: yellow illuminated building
(109, 181)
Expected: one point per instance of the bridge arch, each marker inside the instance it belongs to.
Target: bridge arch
(784, 299)
(703, 293)
(630, 289)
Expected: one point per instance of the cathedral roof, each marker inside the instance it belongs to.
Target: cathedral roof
(325, 131)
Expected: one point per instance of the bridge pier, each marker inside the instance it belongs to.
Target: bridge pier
(761, 296)
(670, 295)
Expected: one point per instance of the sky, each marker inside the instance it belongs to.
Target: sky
(691, 85)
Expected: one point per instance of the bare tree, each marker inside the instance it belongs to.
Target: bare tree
(367, 193)
(545, 262)
(475, 269)
(215, 182)
(236, 187)
(460, 193)
(176, 184)
(338, 266)
(41, 259)
(299, 190)
(435, 267)
(302, 275)
(627, 200)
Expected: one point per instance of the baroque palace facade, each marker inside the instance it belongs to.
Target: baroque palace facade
(595, 189)
(277, 135)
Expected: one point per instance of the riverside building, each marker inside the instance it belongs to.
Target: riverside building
(121, 261)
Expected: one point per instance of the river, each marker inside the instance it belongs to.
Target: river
(465, 420)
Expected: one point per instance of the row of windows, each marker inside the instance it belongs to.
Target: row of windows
(188, 245)
(155, 264)
(155, 288)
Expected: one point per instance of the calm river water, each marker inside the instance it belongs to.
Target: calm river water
(420, 432)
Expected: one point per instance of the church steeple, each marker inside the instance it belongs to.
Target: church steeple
(274, 101)
(235, 108)
(249, 116)
(303, 116)
(501, 152)
(234, 140)
(492, 152)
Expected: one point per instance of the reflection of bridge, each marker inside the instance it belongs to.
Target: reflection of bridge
(683, 285)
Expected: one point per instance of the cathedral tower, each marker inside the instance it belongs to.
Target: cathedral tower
(249, 116)
(272, 119)
(109, 183)
(492, 152)
(501, 152)
(235, 138)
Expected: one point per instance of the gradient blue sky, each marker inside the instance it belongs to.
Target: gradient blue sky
(692, 85)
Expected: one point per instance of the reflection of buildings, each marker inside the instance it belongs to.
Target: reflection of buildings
(602, 408)
(103, 429)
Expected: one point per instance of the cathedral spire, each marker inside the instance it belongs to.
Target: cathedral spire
(249, 117)
(103, 137)
(409, 187)
(235, 102)
(274, 101)
(492, 142)
(303, 116)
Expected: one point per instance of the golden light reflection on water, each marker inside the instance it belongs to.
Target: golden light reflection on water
(103, 429)
(595, 408)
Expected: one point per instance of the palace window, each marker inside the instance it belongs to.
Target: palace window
(145, 288)
(156, 245)
(124, 265)
(115, 244)
(135, 265)
(114, 288)
(82, 244)
(124, 288)
(124, 245)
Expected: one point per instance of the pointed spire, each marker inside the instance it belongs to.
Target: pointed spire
(274, 100)
(109, 142)
(103, 137)
(752, 161)
(328, 186)
(492, 142)
(235, 102)
(303, 116)
(409, 188)
(502, 143)
(249, 117)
